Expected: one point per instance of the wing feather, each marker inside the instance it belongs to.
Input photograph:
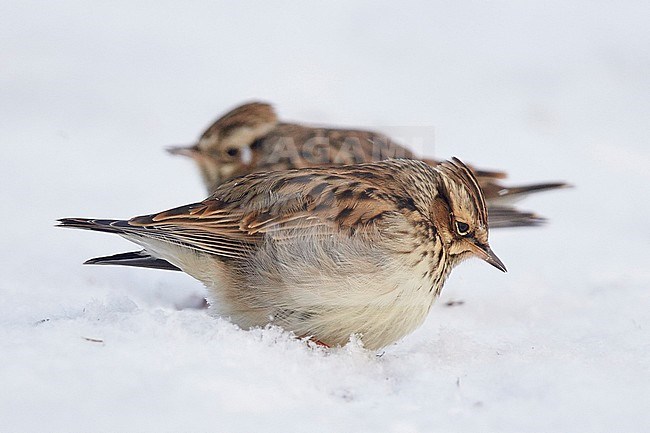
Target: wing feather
(241, 213)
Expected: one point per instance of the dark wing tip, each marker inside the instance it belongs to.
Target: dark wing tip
(504, 217)
(525, 190)
(74, 222)
(138, 259)
(100, 225)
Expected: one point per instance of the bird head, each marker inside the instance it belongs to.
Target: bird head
(225, 147)
(460, 215)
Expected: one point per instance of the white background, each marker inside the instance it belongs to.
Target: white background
(92, 92)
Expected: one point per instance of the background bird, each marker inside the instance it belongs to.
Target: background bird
(250, 138)
(323, 252)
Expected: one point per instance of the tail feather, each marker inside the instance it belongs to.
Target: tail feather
(503, 217)
(537, 187)
(99, 225)
(139, 259)
(497, 194)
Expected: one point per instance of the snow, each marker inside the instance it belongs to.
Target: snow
(93, 92)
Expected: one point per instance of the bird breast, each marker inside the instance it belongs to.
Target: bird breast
(330, 287)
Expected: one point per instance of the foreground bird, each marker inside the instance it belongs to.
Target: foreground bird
(250, 139)
(323, 252)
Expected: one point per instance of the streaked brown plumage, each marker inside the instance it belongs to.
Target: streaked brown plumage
(323, 252)
(250, 139)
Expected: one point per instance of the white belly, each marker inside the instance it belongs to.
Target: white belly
(382, 298)
(328, 290)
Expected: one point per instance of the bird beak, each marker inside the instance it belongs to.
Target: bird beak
(486, 253)
(191, 151)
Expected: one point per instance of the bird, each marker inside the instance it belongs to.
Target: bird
(325, 252)
(250, 138)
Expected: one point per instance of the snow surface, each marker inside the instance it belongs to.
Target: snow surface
(93, 91)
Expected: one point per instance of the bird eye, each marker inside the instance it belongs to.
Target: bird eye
(232, 151)
(462, 228)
